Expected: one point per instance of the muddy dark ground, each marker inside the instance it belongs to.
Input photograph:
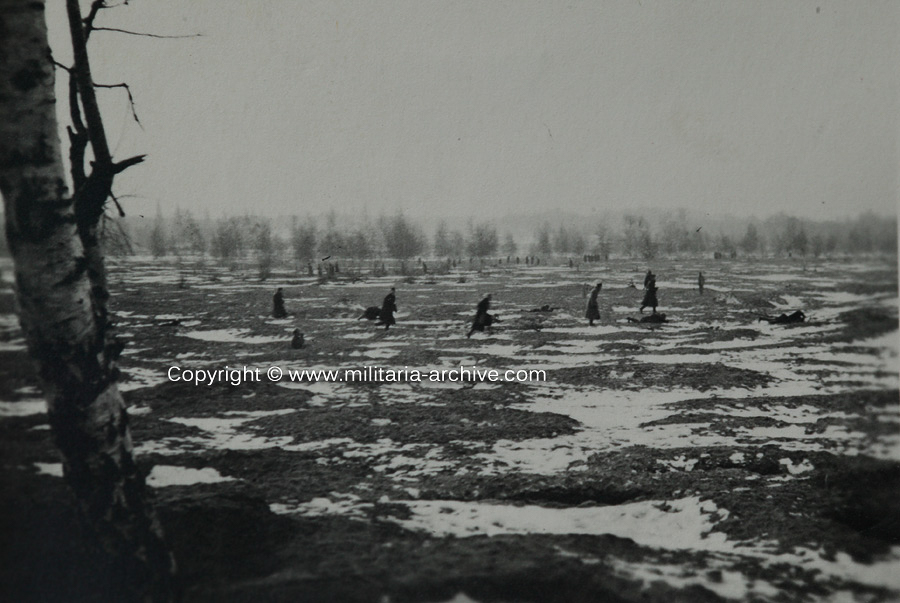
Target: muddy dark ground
(231, 546)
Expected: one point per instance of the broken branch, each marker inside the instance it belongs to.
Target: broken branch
(142, 34)
(130, 98)
(121, 166)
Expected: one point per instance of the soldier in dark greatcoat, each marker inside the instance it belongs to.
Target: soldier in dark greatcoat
(297, 339)
(388, 307)
(278, 310)
(482, 318)
(593, 310)
(650, 293)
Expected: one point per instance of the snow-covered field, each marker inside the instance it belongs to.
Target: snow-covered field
(708, 441)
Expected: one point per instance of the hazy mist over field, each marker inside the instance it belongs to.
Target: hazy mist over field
(489, 109)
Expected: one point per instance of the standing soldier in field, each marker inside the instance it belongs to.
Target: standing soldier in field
(388, 307)
(278, 310)
(650, 299)
(593, 310)
(482, 318)
(700, 282)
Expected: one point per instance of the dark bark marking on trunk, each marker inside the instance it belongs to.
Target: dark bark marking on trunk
(37, 220)
(29, 77)
(72, 277)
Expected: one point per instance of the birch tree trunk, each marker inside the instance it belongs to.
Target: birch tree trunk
(60, 320)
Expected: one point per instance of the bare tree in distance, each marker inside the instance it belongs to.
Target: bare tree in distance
(189, 233)
(577, 242)
(631, 235)
(357, 244)
(159, 238)
(674, 236)
(792, 238)
(483, 240)
(604, 244)
(115, 237)
(751, 243)
(332, 242)
(303, 240)
(265, 245)
(509, 246)
(402, 238)
(228, 241)
(443, 245)
(725, 245)
(647, 245)
(562, 240)
(543, 244)
(62, 291)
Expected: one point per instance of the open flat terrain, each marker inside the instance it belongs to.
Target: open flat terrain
(714, 457)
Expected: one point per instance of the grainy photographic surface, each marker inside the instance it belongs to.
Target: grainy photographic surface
(472, 301)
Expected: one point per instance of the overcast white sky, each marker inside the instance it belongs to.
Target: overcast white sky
(487, 107)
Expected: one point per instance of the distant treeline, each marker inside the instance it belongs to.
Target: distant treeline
(308, 240)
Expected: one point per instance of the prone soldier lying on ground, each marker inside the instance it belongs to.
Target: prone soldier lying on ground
(297, 339)
(371, 313)
(652, 319)
(784, 319)
(544, 308)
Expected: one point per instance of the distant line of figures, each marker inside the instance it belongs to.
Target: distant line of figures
(333, 268)
(384, 314)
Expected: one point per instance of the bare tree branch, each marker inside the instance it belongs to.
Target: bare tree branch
(130, 98)
(82, 75)
(118, 205)
(146, 35)
(115, 237)
(78, 138)
(78, 141)
(121, 166)
(59, 65)
(96, 5)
